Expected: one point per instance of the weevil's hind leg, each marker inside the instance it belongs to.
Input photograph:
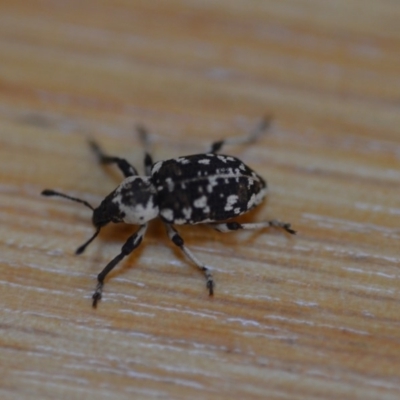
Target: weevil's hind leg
(257, 131)
(144, 138)
(126, 168)
(178, 241)
(130, 245)
(234, 226)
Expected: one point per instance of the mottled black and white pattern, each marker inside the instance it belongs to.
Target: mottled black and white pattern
(207, 188)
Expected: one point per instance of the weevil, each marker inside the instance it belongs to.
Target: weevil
(207, 188)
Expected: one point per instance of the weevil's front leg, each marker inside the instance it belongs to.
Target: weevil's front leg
(178, 241)
(130, 245)
(126, 168)
(262, 126)
(144, 138)
(234, 226)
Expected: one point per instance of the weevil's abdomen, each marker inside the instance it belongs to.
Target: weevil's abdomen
(205, 188)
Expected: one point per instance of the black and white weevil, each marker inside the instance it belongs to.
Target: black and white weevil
(207, 188)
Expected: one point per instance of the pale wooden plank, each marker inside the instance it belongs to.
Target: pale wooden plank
(310, 317)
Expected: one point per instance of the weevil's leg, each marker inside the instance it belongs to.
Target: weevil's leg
(257, 131)
(234, 226)
(130, 245)
(178, 241)
(126, 168)
(144, 137)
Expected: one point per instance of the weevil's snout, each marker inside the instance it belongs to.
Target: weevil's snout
(100, 218)
(99, 221)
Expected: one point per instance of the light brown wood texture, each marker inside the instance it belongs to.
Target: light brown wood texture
(315, 316)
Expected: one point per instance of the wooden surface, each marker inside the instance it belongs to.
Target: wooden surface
(314, 316)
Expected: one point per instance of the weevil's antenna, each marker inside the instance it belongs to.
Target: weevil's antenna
(48, 192)
(82, 248)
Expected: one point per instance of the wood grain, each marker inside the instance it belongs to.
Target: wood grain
(314, 316)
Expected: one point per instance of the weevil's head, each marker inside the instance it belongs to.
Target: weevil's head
(132, 202)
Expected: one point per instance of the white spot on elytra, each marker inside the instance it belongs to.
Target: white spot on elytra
(256, 198)
(201, 202)
(205, 161)
(230, 201)
(156, 167)
(251, 202)
(170, 184)
(187, 212)
(212, 181)
(182, 160)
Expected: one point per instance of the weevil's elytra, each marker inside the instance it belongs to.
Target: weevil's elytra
(191, 191)
(206, 188)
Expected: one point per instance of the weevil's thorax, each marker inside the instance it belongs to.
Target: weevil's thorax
(134, 201)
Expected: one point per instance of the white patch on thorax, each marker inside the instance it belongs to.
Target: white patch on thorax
(222, 158)
(140, 213)
(137, 213)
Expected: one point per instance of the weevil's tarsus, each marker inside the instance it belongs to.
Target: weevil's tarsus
(97, 294)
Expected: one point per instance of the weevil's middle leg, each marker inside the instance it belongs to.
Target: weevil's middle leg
(261, 127)
(130, 245)
(178, 241)
(126, 168)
